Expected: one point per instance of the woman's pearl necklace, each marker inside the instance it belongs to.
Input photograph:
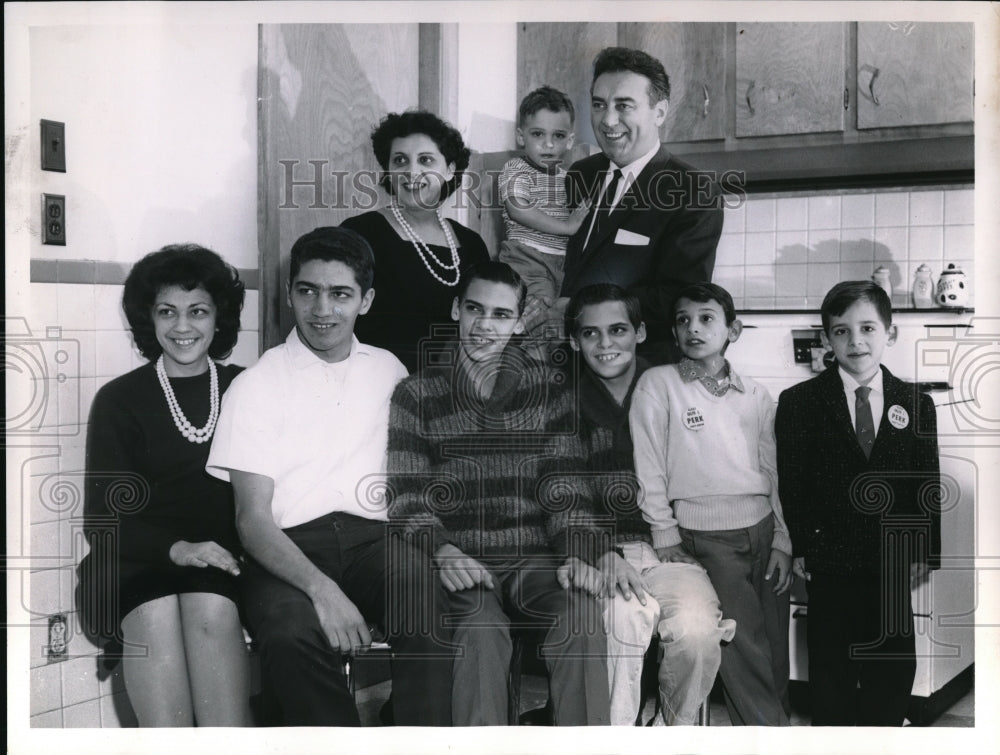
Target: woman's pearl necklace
(424, 251)
(189, 431)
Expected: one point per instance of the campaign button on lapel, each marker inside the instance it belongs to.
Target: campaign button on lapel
(898, 417)
(694, 419)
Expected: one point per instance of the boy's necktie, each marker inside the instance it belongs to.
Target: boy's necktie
(864, 425)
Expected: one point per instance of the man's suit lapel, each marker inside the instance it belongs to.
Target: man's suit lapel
(636, 196)
(896, 392)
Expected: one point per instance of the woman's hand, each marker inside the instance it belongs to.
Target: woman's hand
(204, 554)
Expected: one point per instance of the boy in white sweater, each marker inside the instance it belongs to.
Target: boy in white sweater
(705, 455)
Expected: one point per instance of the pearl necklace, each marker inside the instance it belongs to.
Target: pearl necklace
(189, 431)
(424, 251)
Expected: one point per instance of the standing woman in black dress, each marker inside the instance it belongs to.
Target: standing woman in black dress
(419, 256)
(159, 582)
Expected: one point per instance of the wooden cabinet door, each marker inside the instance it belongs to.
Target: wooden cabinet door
(789, 78)
(322, 87)
(561, 55)
(912, 74)
(694, 55)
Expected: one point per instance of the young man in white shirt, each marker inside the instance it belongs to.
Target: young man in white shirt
(302, 436)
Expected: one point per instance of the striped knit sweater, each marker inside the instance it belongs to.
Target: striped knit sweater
(499, 479)
(608, 440)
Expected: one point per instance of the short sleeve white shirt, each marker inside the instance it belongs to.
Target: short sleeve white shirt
(319, 430)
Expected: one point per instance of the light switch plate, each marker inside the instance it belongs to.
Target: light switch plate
(53, 146)
(54, 219)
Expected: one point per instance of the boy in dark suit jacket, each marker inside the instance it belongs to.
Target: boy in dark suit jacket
(859, 483)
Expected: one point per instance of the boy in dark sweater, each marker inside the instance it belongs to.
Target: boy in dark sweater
(483, 457)
(642, 595)
(858, 477)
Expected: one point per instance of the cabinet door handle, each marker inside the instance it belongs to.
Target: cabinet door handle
(847, 97)
(871, 86)
(750, 89)
(704, 107)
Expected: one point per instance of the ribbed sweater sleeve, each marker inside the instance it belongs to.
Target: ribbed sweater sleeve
(768, 455)
(413, 488)
(649, 420)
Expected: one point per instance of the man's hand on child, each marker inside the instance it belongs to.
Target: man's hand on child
(618, 574)
(460, 572)
(581, 575)
(799, 568)
(782, 563)
(675, 554)
(920, 572)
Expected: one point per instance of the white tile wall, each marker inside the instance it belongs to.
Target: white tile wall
(840, 236)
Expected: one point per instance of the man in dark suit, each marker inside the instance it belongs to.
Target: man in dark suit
(655, 221)
(859, 481)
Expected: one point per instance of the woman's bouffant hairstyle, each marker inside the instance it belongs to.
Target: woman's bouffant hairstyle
(189, 266)
(443, 134)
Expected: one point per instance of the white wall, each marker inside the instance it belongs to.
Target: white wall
(487, 85)
(161, 132)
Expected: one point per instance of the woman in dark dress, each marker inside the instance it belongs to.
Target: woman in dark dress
(419, 256)
(159, 583)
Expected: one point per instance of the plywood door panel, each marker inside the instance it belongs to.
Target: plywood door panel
(789, 78)
(912, 74)
(322, 88)
(561, 55)
(694, 56)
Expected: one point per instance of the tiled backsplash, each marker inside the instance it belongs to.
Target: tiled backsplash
(784, 251)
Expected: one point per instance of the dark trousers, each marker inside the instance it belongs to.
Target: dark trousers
(392, 586)
(567, 625)
(862, 652)
(754, 666)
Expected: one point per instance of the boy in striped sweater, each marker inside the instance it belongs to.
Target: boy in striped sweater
(705, 455)
(486, 472)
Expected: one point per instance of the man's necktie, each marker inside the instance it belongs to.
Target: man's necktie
(864, 425)
(604, 208)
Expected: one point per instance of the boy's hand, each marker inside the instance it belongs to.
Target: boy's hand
(675, 554)
(577, 216)
(920, 572)
(460, 572)
(534, 311)
(342, 622)
(781, 562)
(583, 576)
(799, 568)
(618, 574)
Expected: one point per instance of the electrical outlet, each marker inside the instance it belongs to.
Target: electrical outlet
(58, 638)
(54, 219)
(53, 146)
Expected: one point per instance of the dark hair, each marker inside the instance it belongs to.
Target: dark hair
(332, 243)
(545, 98)
(598, 293)
(839, 299)
(493, 271)
(188, 266)
(706, 292)
(444, 135)
(615, 59)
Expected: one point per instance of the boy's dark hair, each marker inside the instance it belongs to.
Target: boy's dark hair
(189, 266)
(545, 98)
(493, 271)
(706, 292)
(598, 293)
(443, 134)
(615, 59)
(839, 299)
(331, 243)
